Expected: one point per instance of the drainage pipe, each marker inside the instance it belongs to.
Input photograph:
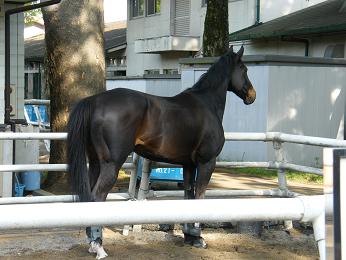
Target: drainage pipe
(258, 12)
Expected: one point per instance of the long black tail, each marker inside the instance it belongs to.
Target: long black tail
(78, 128)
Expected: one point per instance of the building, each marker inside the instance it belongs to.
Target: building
(160, 32)
(115, 48)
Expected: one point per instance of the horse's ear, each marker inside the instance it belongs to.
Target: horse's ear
(230, 50)
(241, 51)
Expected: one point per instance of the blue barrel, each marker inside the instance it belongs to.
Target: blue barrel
(31, 180)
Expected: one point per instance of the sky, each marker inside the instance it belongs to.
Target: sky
(115, 10)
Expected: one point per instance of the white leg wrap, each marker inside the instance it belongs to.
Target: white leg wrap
(98, 249)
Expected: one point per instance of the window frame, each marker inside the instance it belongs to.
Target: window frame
(155, 11)
(145, 9)
(132, 9)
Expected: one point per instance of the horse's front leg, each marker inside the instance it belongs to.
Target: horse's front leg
(192, 232)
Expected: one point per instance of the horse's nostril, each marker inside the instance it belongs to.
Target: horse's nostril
(252, 93)
(250, 97)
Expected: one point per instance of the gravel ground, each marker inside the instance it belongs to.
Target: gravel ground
(223, 243)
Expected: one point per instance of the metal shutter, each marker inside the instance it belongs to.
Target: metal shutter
(182, 17)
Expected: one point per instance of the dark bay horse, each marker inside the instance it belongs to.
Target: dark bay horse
(185, 129)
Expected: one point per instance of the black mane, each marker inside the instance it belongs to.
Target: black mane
(215, 75)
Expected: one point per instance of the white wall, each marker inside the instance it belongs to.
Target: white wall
(307, 100)
(265, 47)
(160, 87)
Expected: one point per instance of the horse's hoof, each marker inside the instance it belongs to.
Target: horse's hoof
(194, 241)
(98, 249)
(200, 243)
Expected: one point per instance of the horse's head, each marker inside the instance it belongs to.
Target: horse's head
(240, 83)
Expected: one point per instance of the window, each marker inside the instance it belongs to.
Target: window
(170, 71)
(152, 72)
(153, 7)
(137, 8)
(335, 51)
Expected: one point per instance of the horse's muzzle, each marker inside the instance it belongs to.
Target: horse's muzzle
(250, 96)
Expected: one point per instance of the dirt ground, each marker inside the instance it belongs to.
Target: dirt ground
(224, 242)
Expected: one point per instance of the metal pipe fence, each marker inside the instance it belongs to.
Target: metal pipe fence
(310, 208)
(275, 137)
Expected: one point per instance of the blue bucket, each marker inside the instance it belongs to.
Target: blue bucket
(31, 180)
(19, 190)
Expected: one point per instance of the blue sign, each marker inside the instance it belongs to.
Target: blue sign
(163, 174)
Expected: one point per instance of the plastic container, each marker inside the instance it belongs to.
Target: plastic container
(31, 180)
(19, 190)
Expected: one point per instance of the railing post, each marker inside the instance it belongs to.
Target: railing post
(132, 186)
(281, 172)
(6, 181)
(279, 157)
(145, 179)
(134, 174)
(143, 187)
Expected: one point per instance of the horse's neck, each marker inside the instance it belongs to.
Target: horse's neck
(212, 87)
(215, 97)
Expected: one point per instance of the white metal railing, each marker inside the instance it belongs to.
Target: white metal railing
(286, 138)
(275, 137)
(229, 136)
(310, 208)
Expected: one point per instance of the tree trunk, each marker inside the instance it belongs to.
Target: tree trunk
(75, 63)
(215, 36)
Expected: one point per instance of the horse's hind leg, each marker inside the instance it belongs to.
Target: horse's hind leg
(107, 178)
(193, 233)
(189, 230)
